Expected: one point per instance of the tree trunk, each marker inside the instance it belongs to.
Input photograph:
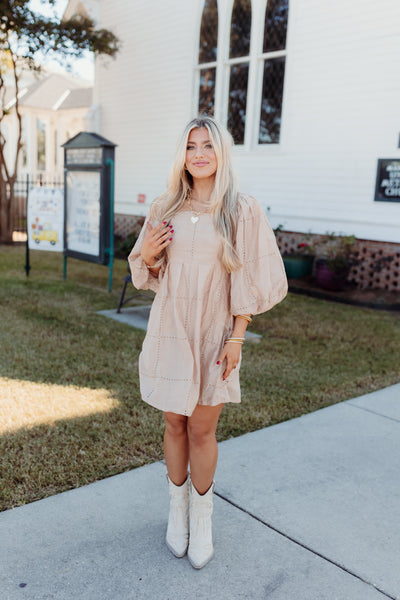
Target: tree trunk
(5, 212)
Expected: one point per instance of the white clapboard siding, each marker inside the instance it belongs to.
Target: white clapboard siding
(145, 93)
(340, 112)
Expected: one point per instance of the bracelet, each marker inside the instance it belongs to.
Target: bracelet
(149, 267)
(233, 342)
(248, 319)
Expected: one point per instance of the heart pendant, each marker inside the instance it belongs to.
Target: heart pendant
(194, 219)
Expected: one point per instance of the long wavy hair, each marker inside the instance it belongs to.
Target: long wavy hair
(223, 200)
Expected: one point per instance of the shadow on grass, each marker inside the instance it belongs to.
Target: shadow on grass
(51, 339)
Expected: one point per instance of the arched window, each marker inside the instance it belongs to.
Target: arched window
(250, 72)
(274, 58)
(239, 51)
(208, 57)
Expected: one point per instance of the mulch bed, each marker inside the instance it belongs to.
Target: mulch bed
(369, 298)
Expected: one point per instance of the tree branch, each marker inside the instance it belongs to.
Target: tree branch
(23, 33)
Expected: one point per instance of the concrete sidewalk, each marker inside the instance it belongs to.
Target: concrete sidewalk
(307, 509)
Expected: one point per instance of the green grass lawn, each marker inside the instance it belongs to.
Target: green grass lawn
(70, 408)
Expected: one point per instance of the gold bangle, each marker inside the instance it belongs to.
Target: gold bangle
(248, 319)
(233, 342)
(236, 338)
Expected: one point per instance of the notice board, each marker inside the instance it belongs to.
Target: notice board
(83, 227)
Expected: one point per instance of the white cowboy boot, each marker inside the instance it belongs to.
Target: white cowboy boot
(200, 542)
(178, 522)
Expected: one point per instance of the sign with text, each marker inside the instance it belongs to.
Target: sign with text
(84, 156)
(45, 218)
(89, 199)
(387, 187)
(83, 212)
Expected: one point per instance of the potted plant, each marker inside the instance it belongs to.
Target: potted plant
(335, 255)
(299, 262)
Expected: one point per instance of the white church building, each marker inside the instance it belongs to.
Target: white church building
(309, 89)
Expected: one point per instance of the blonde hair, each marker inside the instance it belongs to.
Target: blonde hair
(223, 200)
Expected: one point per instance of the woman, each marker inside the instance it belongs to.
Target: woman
(212, 259)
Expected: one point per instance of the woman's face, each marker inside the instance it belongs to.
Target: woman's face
(201, 161)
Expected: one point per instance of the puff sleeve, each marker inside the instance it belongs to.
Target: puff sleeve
(142, 278)
(261, 282)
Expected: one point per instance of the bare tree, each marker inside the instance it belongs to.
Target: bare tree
(23, 34)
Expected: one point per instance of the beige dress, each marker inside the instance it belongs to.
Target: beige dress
(192, 312)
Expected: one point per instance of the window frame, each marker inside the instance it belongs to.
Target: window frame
(198, 67)
(39, 156)
(261, 58)
(228, 63)
(255, 59)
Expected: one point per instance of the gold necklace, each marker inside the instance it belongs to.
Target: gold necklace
(195, 213)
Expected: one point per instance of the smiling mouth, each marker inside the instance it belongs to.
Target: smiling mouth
(200, 164)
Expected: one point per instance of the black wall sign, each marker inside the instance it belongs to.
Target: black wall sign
(387, 187)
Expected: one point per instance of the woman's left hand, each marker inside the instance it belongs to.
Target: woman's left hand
(230, 353)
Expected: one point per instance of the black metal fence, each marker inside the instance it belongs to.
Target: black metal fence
(21, 192)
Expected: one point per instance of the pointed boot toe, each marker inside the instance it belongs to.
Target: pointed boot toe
(201, 548)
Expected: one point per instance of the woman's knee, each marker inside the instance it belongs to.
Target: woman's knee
(200, 434)
(175, 425)
(202, 425)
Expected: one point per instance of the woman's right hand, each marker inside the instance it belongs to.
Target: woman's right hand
(154, 241)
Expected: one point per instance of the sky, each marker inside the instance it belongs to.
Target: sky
(83, 67)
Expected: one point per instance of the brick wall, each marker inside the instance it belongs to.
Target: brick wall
(372, 255)
(379, 266)
(124, 224)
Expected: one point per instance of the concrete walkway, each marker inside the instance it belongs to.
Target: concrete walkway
(305, 510)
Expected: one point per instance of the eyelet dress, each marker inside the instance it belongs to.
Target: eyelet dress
(192, 312)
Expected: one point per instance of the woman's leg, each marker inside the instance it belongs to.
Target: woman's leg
(203, 455)
(203, 449)
(176, 447)
(176, 456)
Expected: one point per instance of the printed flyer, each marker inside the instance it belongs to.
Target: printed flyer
(46, 218)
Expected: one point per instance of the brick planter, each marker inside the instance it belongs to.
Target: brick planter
(380, 261)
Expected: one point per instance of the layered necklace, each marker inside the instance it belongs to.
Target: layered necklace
(195, 213)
